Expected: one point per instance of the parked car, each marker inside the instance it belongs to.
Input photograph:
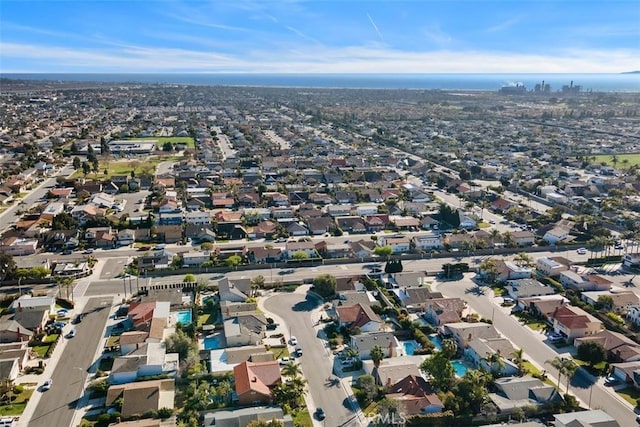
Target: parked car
(63, 312)
(581, 251)
(144, 248)
(160, 247)
(293, 340)
(67, 252)
(319, 414)
(272, 326)
(611, 381)
(298, 351)
(284, 360)
(71, 334)
(47, 385)
(555, 337)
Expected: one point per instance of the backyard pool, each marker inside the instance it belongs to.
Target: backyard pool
(184, 317)
(409, 347)
(459, 367)
(437, 342)
(214, 342)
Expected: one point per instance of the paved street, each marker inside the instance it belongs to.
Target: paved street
(295, 310)
(537, 350)
(57, 406)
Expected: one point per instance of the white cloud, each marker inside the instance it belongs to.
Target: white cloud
(503, 25)
(310, 59)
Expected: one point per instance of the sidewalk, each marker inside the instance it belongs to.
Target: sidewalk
(50, 365)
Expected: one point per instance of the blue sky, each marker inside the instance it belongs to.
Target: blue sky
(328, 36)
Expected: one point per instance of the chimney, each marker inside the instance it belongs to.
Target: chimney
(19, 307)
(254, 379)
(392, 349)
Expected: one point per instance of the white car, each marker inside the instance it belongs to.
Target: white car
(284, 361)
(47, 385)
(581, 251)
(293, 340)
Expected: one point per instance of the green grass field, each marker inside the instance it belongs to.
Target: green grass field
(124, 167)
(624, 160)
(172, 139)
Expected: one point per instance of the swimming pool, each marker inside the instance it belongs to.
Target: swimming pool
(409, 347)
(437, 342)
(184, 317)
(459, 367)
(213, 342)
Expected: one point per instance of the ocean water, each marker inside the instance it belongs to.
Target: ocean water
(480, 82)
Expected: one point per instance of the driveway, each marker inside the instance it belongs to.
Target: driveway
(537, 351)
(299, 311)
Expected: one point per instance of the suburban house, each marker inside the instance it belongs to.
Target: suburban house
(308, 248)
(229, 292)
(13, 331)
(233, 417)
(592, 418)
(523, 238)
(427, 242)
(619, 348)
(439, 311)
(254, 381)
(464, 332)
(149, 359)
(480, 349)
(573, 322)
(525, 288)
(517, 392)
(551, 267)
(621, 302)
(414, 396)
(584, 282)
(28, 302)
(141, 397)
(359, 316)
(191, 259)
(363, 343)
(556, 234)
(414, 298)
(400, 245)
(244, 329)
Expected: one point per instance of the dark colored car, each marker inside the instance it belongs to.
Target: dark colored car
(320, 415)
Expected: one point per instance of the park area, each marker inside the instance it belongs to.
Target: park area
(621, 161)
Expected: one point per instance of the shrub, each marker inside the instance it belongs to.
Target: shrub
(164, 413)
(17, 389)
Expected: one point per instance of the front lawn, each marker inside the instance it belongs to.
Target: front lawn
(597, 369)
(19, 402)
(302, 418)
(279, 352)
(187, 140)
(124, 167)
(629, 394)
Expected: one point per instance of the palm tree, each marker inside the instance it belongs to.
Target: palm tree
(493, 234)
(518, 359)
(291, 369)
(377, 354)
(449, 347)
(570, 367)
(508, 239)
(256, 283)
(522, 259)
(495, 362)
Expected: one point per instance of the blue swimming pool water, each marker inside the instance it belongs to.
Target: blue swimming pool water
(409, 347)
(437, 342)
(184, 317)
(212, 343)
(459, 367)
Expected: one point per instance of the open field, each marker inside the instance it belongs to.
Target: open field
(172, 139)
(124, 167)
(624, 160)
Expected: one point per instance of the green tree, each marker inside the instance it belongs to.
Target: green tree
(489, 269)
(393, 266)
(469, 394)
(233, 261)
(376, 354)
(263, 423)
(496, 362)
(592, 352)
(300, 255)
(77, 163)
(64, 221)
(256, 284)
(325, 285)
(179, 342)
(605, 302)
(124, 188)
(440, 371)
(518, 358)
(189, 278)
(523, 258)
(86, 168)
(449, 348)
(291, 369)
(384, 251)
(8, 267)
(367, 384)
